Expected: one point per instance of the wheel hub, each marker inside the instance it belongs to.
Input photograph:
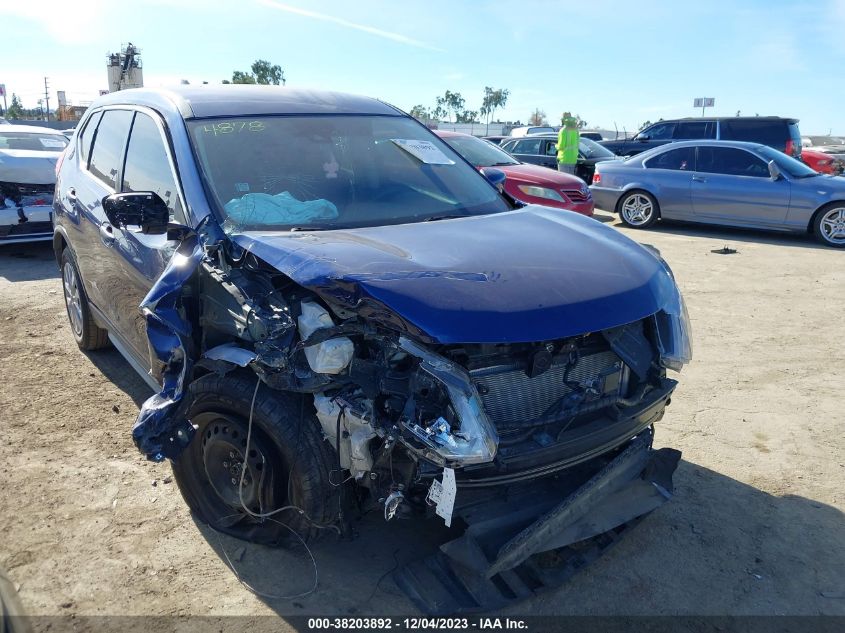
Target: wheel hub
(225, 459)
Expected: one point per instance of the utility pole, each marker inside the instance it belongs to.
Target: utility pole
(47, 98)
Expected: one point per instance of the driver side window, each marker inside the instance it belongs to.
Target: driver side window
(148, 166)
(659, 131)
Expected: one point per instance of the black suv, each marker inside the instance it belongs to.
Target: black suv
(777, 132)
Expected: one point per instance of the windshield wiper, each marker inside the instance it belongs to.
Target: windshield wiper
(309, 228)
(503, 164)
(445, 216)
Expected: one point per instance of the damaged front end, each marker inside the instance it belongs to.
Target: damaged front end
(541, 449)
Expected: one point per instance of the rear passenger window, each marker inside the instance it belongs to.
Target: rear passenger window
(692, 130)
(147, 166)
(731, 162)
(531, 146)
(107, 155)
(771, 133)
(681, 159)
(86, 138)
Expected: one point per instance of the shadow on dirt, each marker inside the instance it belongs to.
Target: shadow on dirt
(28, 262)
(121, 374)
(722, 235)
(727, 538)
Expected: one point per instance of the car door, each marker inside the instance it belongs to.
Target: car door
(527, 150)
(732, 185)
(670, 173)
(97, 176)
(142, 258)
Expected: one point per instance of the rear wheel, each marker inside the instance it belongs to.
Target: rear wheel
(287, 462)
(638, 209)
(86, 333)
(829, 225)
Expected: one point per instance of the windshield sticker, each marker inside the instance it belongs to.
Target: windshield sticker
(425, 151)
(52, 142)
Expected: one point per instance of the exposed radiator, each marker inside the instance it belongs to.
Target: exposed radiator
(510, 396)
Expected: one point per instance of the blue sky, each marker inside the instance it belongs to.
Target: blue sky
(610, 61)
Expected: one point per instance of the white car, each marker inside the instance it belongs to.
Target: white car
(28, 156)
(530, 130)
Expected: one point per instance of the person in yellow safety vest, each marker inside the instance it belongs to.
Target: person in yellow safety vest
(567, 145)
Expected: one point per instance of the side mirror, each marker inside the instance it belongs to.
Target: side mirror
(774, 171)
(643, 137)
(495, 177)
(144, 209)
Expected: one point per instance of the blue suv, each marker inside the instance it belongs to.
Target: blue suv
(336, 312)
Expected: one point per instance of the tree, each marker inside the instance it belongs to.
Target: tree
(493, 100)
(450, 103)
(467, 116)
(644, 126)
(263, 72)
(420, 112)
(15, 111)
(538, 117)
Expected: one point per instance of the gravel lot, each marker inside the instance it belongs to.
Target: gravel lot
(89, 527)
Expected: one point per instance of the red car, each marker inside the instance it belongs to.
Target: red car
(822, 162)
(528, 183)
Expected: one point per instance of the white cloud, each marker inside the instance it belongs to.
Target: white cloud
(396, 37)
(61, 21)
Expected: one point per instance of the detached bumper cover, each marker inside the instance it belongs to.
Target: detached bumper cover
(520, 543)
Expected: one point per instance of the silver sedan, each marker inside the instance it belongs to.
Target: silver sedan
(722, 182)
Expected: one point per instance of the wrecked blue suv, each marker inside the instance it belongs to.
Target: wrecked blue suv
(338, 313)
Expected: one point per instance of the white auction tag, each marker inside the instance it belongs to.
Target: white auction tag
(52, 143)
(425, 151)
(446, 497)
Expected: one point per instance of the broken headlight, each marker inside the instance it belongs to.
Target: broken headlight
(475, 440)
(674, 334)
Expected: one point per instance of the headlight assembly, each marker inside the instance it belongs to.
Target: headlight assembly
(674, 334)
(541, 192)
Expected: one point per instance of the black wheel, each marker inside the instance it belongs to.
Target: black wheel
(638, 209)
(829, 225)
(287, 464)
(87, 334)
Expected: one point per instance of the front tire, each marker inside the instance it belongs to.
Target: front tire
(829, 225)
(288, 462)
(638, 209)
(87, 334)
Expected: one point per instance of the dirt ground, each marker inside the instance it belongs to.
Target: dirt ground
(88, 527)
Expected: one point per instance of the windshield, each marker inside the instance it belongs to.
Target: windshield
(33, 141)
(590, 149)
(325, 172)
(480, 153)
(788, 165)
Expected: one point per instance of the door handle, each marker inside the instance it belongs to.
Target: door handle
(699, 179)
(107, 233)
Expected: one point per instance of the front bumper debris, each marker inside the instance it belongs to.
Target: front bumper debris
(523, 541)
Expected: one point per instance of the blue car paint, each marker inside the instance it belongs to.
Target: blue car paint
(529, 275)
(158, 432)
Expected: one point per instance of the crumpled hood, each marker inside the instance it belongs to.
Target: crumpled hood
(28, 167)
(529, 275)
